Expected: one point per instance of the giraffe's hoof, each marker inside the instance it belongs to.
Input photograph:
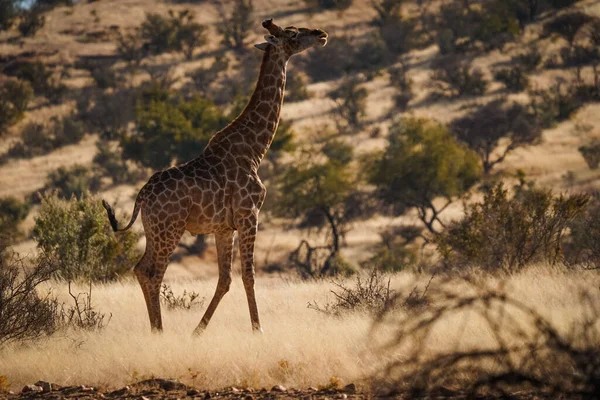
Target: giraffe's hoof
(199, 331)
(257, 330)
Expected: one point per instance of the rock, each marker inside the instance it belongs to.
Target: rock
(341, 396)
(234, 390)
(120, 392)
(31, 388)
(207, 395)
(192, 392)
(278, 388)
(349, 388)
(312, 389)
(84, 388)
(145, 398)
(171, 384)
(46, 386)
(248, 397)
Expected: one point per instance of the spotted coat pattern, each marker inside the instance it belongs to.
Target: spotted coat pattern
(219, 192)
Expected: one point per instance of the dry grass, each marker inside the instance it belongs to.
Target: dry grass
(300, 347)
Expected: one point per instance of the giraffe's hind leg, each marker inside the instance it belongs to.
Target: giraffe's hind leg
(224, 243)
(152, 267)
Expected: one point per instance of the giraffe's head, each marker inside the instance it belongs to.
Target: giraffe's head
(292, 40)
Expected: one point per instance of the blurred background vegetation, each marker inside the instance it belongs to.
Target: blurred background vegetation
(417, 125)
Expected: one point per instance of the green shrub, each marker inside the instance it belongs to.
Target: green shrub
(109, 113)
(110, 162)
(78, 236)
(236, 27)
(396, 251)
(74, 181)
(12, 213)
(295, 86)
(555, 104)
(31, 22)
(351, 100)
(457, 78)
(338, 151)
(204, 78)
(422, 162)
(169, 128)
(130, 49)
(400, 80)
(514, 78)
(40, 139)
(503, 233)
(338, 58)
(43, 81)
(178, 32)
(15, 96)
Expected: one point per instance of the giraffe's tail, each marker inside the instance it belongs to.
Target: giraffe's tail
(113, 219)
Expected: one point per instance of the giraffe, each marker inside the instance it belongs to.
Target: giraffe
(219, 191)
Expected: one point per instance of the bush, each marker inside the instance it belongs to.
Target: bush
(295, 86)
(400, 80)
(370, 295)
(396, 251)
(82, 315)
(487, 127)
(456, 79)
(130, 49)
(109, 114)
(15, 96)
(591, 154)
(110, 162)
(351, 100)
(568, 25)
(106, 78)
(555, 104)
(12, 213)
(422, 162)
(204, 78)
(514, 79)
(25, 314)
(175, 33)
(186, 301)
(583, 243)
(43, 81)
(31, 22)
(78, 236)
(235, 27)
(72, 182)
(485, 237)
(170, 128)
(329, 4)
(40, 139)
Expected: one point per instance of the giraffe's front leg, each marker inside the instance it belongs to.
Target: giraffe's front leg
(247, 232)
(224, 243)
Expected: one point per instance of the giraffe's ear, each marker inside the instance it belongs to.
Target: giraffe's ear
(262, 46)
(272, 39)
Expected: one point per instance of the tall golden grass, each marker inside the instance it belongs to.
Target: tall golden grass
(300, 346)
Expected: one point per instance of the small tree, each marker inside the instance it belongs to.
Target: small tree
(317, 192)
(456, 78)
(422, 162)
(78, 236)
(351, 100)
(31, 22)
(15, 96)
(12, 213)
(235, 28)
(483, 130)
(504, 233)
(8, 12)
(170, 128)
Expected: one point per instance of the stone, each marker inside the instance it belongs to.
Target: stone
(312, 389)
(349, 388)
(31, 388)
(84, 388)
(341, 396)
(278, 388)
(46, 386)
(192, 392)
(248, 397)
(120, 392)
(234, 390)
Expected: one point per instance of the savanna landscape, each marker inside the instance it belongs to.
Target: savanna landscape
(431, 224)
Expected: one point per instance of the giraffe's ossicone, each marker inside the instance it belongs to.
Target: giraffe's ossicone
(219, 191)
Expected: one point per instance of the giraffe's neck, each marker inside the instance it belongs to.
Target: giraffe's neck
(252, 132)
